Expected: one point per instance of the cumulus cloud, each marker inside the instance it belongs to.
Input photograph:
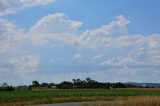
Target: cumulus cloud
(55, 23)
(11, 6)
(113, 36)
(129, 41)
(9, 36)
(109, 45)
(58, 27)
(154, 48)
(55, 27)
(104, 35)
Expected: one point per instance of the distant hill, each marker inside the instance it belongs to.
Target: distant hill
(157, 85)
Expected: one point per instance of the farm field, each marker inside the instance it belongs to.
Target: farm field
(15, 98)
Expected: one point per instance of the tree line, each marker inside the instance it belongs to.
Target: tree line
(80, 84)
(88, 83)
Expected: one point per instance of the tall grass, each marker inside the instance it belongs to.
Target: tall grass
(132, 101)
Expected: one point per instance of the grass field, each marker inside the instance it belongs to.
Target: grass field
(68, 95)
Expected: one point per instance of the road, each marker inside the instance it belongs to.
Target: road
(75, 103)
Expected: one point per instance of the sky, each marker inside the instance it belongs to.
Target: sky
(57, 40)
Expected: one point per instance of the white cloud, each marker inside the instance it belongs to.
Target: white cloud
(58, 27)
(55, 27)
(154, 48)
(55, 24)
(153, 41)
(25, 64)
(121, 61)
(109, 45)
(104, 35)
(10, 36)
(129, 41)
(11, 6)
(97, 56)
(35, 2)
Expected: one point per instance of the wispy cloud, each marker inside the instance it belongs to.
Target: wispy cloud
(12, 6)
(78, 57)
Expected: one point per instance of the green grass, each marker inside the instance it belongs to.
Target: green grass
(18, 96)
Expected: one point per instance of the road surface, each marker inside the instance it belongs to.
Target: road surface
(75, 103)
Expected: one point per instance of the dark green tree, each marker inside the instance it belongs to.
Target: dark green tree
(35, 83)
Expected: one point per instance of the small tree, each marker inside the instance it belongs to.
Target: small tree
(35, 83)
(74, 81)
(88, 80)
(29, 87)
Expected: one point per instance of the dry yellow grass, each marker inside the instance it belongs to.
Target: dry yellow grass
(133, 101)
(115, 101)
(57, 100)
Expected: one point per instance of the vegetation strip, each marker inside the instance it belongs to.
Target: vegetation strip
(70, 95)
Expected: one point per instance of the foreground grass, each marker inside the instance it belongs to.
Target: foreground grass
(71, 95)
(133, 101)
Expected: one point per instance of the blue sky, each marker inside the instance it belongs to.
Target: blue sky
(56, 40)
(94, 13)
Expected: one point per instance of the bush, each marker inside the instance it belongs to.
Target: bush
(8, 88)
